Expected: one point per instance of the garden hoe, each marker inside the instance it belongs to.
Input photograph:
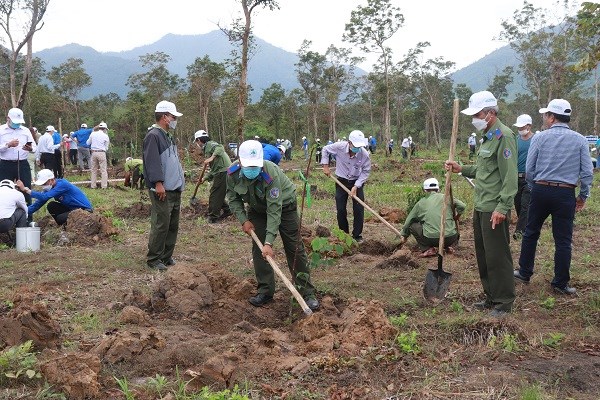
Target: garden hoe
(194, 200)
(437, 280)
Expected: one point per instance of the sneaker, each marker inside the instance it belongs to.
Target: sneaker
(169, 262)
(495, 313)
(483, 305)
(358, 239)
(312, 302)
(519, 277)
(260, 299)
(158, 265)
(567, 290)
(430, 252)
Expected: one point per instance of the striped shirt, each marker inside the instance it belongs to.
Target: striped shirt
(560, 154)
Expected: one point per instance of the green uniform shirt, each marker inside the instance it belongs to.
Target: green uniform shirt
(132, 164)
(495, 172)
(266, 194)
(221, 161)
(428, 211)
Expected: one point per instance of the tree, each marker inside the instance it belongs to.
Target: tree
(205, 77)
(500, 83)
(27, 17)
(68, 80)
(272, 100)
(369, 28)
(310, 69)
(157, 82)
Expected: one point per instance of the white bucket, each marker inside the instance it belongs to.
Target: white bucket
(28, 239)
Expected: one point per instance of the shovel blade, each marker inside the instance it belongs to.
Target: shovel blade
(436, 285)
(193, 201)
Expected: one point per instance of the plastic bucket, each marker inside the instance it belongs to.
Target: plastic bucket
(28, 239)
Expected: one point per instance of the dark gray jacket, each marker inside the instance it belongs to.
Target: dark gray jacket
(161, 162)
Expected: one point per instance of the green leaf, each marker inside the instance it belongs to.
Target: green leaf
(30, 373)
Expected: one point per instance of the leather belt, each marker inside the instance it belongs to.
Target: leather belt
(556, 184)
(521, 174)
(98, 151)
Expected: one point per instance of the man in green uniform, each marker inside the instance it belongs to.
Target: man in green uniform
(134, 174)
(423, 221)
(495, 174)
(271, 199)
(218, 160)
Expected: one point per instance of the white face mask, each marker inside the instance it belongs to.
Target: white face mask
(46, 188)
(172, 124)
(480, 124)
(523, 132)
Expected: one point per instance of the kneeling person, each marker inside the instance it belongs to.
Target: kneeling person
(272, 208)
(423, 221)
(13, 208)
(67, 196)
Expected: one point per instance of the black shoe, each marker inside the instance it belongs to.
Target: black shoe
(260, 299)
(312, 302)
(213, 220)
(358, 239)
(567, 290)
(159, 266)
(519, 277)
(170, 261)
(495, 313)
(225, 214)
(483, 305)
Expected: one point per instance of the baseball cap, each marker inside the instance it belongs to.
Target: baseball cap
(16, 115)
(251, 154)
(43, 176)
(50, 128)
(200, 133)
(128, 159)
(357, 138)
(83, 126)
(473, 134)
(522, 120)
(303, 137)
(167, 106)
(281, 148)
(102, 125)
(65, 135)
(557, 106)
(7, 183)
(431, 183)
(478, 101)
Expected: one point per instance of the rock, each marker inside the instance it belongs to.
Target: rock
(75, 373)
(185, 289)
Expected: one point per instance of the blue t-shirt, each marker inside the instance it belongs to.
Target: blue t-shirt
(271, 153)
(523, 147)
(82, 135)
(56, 138)
(65, 193)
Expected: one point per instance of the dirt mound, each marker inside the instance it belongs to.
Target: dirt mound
(184, 289)
(124, 346)
(75, 374)
(29, 321)
(322, 231)
(375, 247)
(198, 209)
(401, 259)
(138, 210)
(135, 316)
(317, 193)
(392, 215)
(87, 228)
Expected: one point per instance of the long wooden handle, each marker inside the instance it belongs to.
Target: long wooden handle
(396, 231)
(200, 180)
(449, 175)
(282, 276)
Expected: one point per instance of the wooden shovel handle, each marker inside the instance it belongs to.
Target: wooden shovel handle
(365, 205)
(447, 187)
(199, 180)
(282, 276)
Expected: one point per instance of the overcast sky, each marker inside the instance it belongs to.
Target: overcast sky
(462, 31)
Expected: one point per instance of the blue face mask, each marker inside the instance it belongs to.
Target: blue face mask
(354, 149)
(251, 172)
(13, 125)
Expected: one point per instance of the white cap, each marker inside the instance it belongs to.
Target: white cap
(102, 125)
(50, 128)
(318, 140)
(357, 138)
(522, 120)
(251, 154)
(167, 106)
(43, 176)
(83, 126)
(473, 134)
(410, 138)
(303, 137)
(7, 183)
(65, 135)
(391, 140)
(128, 159)
(431, 183)
(478, 101)
(16, 115)
(557, 106)
(200, 133)
(281, 148)
(256, 137)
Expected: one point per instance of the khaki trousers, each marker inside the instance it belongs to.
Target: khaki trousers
(99, 163)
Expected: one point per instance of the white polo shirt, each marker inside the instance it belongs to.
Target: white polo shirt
(10, 200)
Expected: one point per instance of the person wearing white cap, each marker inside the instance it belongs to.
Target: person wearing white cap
(391, 146)
(164, 178)
(353, 166)
(271, 208)
(83, 149)
(99, 142)
(305, 147)
(405, 148)
(13, 208)
(16, 142)
(558, 160)
(318, 151)
(495, 173)
(72, 149)
(134, 173)
(423, 221)
(523, 124)
(44, 154)
(216, 157)
(472, 145)
(67, 197)
(372, 144)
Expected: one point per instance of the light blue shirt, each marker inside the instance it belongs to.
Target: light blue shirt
(560, 154)
(353, 168)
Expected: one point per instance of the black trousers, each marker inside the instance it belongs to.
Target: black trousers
(358, 211)
(17, 220)
(58, 173)
(522, 199)
(14, 170)
(73, 156)
(59, 211)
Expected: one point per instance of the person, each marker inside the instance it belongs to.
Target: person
(31, 155)
(369, 145)
(305, 147)
(423, 221)
(495, 173)
(44, 155)
(13, 209)
(72, 149)
(134, 172)
(164, 178)
(373, 144)
(272, 153)
(99, 142)
(16, 142)
(271, 207)
(83, 149)
(57, 139)
(405, 147)
(522, 197)
(318, 151)
(288, 149)
(472, 145)
(391, 146)
(66, 142)
(558, 159)
(218, 160)
(413, 146)
(67, 197)
(353, 166)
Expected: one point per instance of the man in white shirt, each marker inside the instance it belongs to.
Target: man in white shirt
(405, 147)
(44, 154)
(98, 142)
(13, 209)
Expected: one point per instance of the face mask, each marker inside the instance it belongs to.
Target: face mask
(354, 149)
(46, 188)
(479, 124)
(14, 126)
(523, 132)
(172, 124)
(251, 172)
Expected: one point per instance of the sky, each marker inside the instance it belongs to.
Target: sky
(462, 31)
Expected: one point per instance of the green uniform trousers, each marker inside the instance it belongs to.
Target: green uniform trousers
(164, 225)
(494, 260)
(292, 243)
(424, 242)
(216, 199)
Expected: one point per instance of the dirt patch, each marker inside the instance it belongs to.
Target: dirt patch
(199, 208)
(317, 193)
(87, 229)
(375, 247)
(391, 215)
(401, 259)
(124, 346)
(136, 211)
(76, 373)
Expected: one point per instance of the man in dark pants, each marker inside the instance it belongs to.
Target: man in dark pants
(353, 166)
(523, 124)
(495, 174)
(164, 178)
(218, 160)
(558, 159)
(13, 209)
(272, 208)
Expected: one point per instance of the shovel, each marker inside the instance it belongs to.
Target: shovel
(194, 200)
(284, 278)
(437, 280)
